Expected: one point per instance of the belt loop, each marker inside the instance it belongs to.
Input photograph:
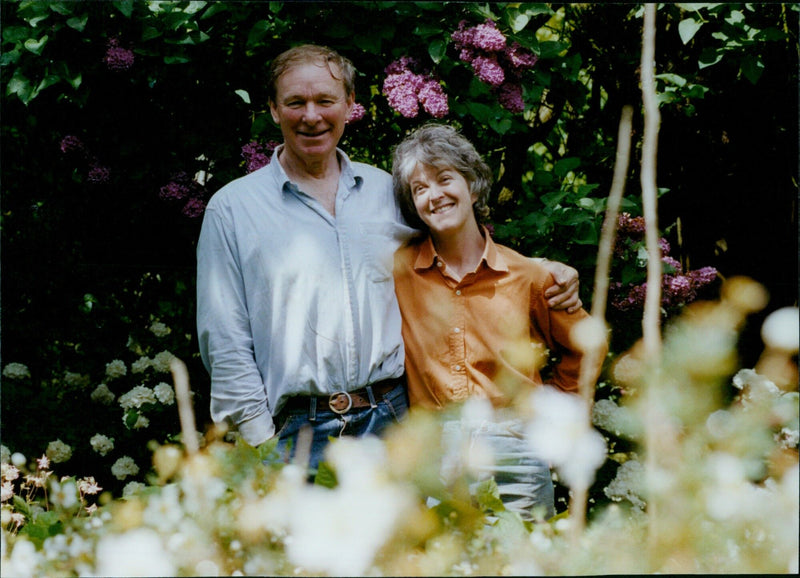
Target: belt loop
(371, 395)
(312, 408)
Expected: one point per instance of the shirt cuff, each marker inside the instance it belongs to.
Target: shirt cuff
(257, 430)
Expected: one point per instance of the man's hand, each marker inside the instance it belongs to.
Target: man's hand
(564, 294)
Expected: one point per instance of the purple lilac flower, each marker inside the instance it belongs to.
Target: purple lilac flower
(175, 190)
(118, 58)
(519, 58)
(194, 207)
(676, 290)
(702, 277)
(357, 113)
(70, 144)
(510, 97)
(664, 246)
(433, 99)
(632, 227)
(488, 70)
(484, 37)
(674, 263)
(494, 62)
(98, 174)
(254, 156)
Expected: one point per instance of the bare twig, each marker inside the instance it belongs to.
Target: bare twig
(651, 321)
(180, 376)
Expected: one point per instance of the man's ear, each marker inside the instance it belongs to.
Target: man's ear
(274, 112)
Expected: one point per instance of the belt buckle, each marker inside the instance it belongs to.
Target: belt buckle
(336, 400)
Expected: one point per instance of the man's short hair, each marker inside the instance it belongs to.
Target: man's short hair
(340, 67)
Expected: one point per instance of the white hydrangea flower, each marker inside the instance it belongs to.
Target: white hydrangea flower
(781, 329)
(137, 397)
(141, 365)
(24, 559)
(142, 422)
(620, 421)
(8, 472)
(164, 393)
(75, 379)
(124, 467)
(627, 484)
(58, 451)
(116, 368)
(137, 552)
(158, 329)
(16, 371)
(102, 444)
(132, 488)
(787, 438)
(5, 454)
(560, 433)
(64, 493)
(6, 491)
(102, 395)
(162, 361)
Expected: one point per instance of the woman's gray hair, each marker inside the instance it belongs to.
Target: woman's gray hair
(440, 146)
(340, 67)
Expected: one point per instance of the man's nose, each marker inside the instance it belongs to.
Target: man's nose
(311, 113)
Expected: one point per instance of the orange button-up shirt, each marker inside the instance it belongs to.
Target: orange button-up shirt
(487, 335)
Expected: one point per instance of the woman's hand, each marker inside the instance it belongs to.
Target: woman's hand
(564, 294)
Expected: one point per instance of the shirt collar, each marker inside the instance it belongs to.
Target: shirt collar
(349, 173)
(427, 256)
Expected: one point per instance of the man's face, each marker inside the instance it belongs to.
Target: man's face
(311, 107)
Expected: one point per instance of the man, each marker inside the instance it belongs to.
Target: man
(297, 317)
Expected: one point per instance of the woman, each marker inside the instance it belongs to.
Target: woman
(475, 317)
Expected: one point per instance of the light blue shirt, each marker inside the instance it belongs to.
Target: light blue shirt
(292, 300)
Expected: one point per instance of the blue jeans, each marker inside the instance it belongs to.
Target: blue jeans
(327, 424)
(524, 481)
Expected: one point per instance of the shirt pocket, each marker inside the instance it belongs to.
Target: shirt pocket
(379, 242)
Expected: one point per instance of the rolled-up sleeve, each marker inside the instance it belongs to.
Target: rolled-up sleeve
(238, 394)
(556, 327)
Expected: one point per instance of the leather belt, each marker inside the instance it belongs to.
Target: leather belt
(342, 402)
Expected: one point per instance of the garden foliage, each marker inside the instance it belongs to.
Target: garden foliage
(122, 118)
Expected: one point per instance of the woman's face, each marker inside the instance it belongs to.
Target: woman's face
(442, 198)
(311, 107)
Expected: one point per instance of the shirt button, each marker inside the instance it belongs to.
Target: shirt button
(458, 291)
(439, 264)
(457, 330)
(457, 368)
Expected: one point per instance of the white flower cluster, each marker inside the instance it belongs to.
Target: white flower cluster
(16, 371)
(137, 397)
(73, 379)
(102, 444)
(560, 433)
(116, 368)
(159, 329)
(627, 484)
(103, 395)
(160, 363)
(164, 393)
(124, 467)
(58, 451)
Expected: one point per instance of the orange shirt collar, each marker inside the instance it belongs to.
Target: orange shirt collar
(426, 258)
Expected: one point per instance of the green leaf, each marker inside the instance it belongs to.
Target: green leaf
(326, 476)
(566, 165)
(437, 49)
(258, 32)
(124, 6)
(688, 28)
(487, 495)
(671, 78)
(517, 20)
(78, 22)
(14, 34)
(176, 59)
(36, 46)
(243, 94)
(752, 67)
